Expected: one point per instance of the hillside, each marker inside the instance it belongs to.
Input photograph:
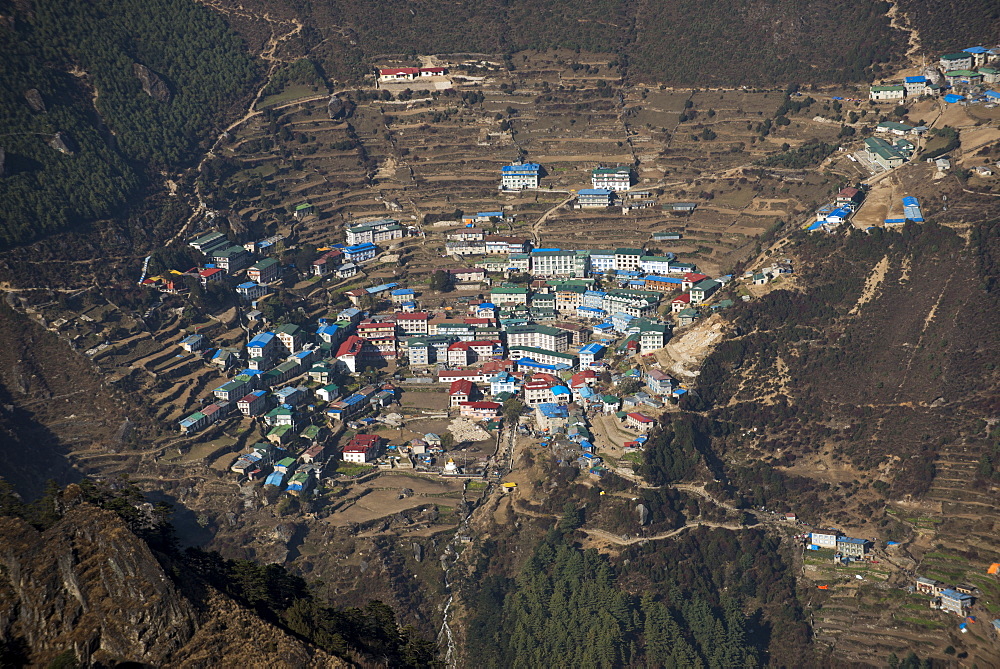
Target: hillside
(103, 96)
(91, 574)
(943, 26)
(89, 589)
(54, 402)
(677, 43)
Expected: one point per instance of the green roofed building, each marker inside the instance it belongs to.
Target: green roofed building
(886, 93)
(883, 153)
(612, 178)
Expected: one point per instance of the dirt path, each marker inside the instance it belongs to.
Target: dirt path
(628, 541)
(900, 21)
(269, 56)
(872, 283)
(536, 227)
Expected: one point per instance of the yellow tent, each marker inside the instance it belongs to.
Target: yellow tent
(510, 485)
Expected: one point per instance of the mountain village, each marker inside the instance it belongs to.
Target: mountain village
(511, 340)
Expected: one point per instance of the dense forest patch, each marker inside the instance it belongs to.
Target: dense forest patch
(947, 27)
(71, 68)
(711, 599)
(677, 43)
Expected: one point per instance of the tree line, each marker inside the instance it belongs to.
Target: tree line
(78, 56)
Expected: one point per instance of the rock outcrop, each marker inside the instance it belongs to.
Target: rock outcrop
(152, 84)
(62, 143)
(35, 100)
(90, 586)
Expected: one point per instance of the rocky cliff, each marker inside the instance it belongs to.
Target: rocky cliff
(90, 586)
(152, 84)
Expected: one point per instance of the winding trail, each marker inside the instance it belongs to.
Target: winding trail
(269, 54)
(901, 22)
(536, 227)
(628, 541)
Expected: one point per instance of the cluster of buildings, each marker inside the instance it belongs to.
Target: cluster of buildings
(397, 74)
(964, 74)
(257, 272)
(514, 255)
(958, 599)
(830, 216)
(845, 547)
(606, 182)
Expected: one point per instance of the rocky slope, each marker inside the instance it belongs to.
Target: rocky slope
(89, 586)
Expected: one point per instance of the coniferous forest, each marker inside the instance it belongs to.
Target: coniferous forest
(664, 605)
(82, 135)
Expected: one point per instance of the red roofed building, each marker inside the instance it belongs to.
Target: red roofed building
(313, 453)
(414, 323)
(690, 279)
(207, 276)
(539, 389)
(355, 353)
(398, 73)
(355, 295)
(493, 366)
(587, 377)
(327, 262)
(850, 196)
(362, 448)
(482, 410)
(680, 303)
(640, 422)
(462, 390)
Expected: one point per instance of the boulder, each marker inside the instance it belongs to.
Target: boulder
(35, 100)
(152, 84)
(643, 513)
(62, 143)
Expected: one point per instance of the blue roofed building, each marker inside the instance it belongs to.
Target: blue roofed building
(330, 333)
(593, 198)
(911, 209)
(561, 395)
(276, 478)
(550, 416)
(193, 343)
(853, 547)
(605, 329)
(249, 291)
(360, 253)
(532, 365)
(263, 345)
(621, 320)
(915, 86)
(401, 295)
(956, 602)
(590, 353)
(594, 298)
(591, 313)
(518, 176)
(503, 382)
